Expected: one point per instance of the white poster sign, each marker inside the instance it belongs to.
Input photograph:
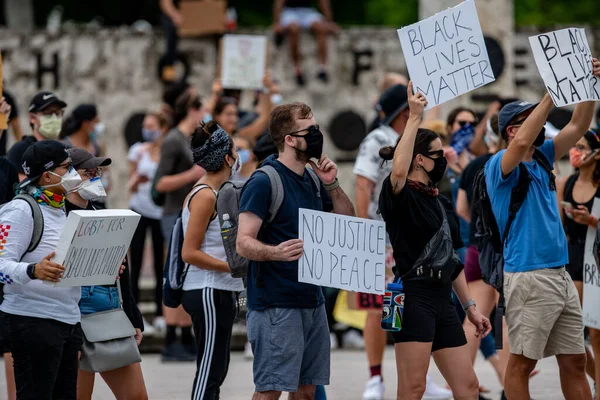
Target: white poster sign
(591, 277)
(342, 252)
(446, 54)
(93, 244)
(564, 60)
(243, 61)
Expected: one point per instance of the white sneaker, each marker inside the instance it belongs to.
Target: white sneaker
(353, 340)
(435, 392)
(248, 355)
(148, 328)
(333, 341)
(374, 389)
(160, 325)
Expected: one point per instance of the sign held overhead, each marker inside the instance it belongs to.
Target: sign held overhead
(446, 54)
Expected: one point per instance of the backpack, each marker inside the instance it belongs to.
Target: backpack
(228, 202)
(38, 220)
(176, 269)
(489, 242)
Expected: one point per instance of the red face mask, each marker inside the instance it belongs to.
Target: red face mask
(575, 157)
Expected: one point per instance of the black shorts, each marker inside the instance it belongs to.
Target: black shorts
(575, 265)
(430, 317)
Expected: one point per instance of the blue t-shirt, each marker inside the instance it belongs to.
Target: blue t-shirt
(536, 239)
(280, 286)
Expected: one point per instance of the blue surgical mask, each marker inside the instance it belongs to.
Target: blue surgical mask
(244, 156)
(207, 117)
(150, 135)
(276, 99)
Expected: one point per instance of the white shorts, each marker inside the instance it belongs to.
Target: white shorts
(303, 16)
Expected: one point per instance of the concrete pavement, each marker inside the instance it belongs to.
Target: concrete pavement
(349, 373)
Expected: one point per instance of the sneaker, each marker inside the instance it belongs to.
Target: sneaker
(323, 76)
(374, 389)
(160, 325)
(148, 328)
(353, 340)
(434, 392)
(333, 341)
(176, 353)
(248, 355)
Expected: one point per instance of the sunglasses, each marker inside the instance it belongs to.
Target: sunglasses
(438, 153)
(464, 123)
(313, 129)
(67, 165)
(91, 173)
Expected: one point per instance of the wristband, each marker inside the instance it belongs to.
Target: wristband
(332, 186)
(468, 304)
(31, 271)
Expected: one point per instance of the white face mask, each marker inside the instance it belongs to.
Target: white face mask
(50, 126)
(237, 166)
(92, 189)
(276, 99)
(99, 129)
(69, 181)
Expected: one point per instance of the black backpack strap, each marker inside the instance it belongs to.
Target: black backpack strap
(38, 221)
(547, 165)
(498, 334)
(517, 198)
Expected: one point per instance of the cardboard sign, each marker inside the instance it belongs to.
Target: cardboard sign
(446, 54)
(202, 17)
(243, 61)
(93, 244)
(591, 277)
(342, 252)
(564, 60)
(3, 117)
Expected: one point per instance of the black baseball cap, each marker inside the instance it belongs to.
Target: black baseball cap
(510, 111)
(83, 159)
(43, 100)
(392, 102)
(40, 157)
(15, 154)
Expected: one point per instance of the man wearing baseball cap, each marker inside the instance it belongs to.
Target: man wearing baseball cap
(45, 334)
(46, 111)
(370, 172)
(543, 312)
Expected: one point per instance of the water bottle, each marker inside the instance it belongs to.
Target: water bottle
(226, 227)
(393, 307)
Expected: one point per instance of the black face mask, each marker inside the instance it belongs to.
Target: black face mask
(439, 167)
(541, 137)
(314, 142)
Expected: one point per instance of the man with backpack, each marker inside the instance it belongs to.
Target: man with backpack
(542, 306)
(287, 323)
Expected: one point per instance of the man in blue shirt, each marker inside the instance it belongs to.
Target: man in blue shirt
(287, 323)
(542, 306)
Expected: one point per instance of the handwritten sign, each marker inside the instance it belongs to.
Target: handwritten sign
(446, 54)
(93, 244)
(243, 61)
(564, 60)
(342, 252)
(591, 277)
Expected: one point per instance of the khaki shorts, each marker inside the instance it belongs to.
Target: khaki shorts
(543, 313)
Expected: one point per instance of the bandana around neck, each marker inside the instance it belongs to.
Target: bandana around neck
(44, 196)
(211, 154)
(431, 191)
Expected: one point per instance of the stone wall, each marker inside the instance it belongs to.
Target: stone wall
(117, 70)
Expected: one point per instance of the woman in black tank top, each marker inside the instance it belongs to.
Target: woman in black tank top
(576, 195)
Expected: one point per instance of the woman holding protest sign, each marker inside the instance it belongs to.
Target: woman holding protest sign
(423, 228)
(576, 195)
(209, 290)
(126, 382)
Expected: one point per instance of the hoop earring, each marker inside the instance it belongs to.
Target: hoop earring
(417, 167)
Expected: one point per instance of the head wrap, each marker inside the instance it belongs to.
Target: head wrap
(211, 154)
(593, 139)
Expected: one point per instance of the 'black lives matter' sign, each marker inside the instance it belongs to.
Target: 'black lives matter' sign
(446, 54)
(564, 60)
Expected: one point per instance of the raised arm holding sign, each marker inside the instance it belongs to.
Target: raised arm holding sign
(446, 54)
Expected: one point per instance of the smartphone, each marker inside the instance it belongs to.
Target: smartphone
(568, 207)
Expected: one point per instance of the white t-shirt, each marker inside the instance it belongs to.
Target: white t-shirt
(22, 295)
(198, 278)
(369, 165)
(141, 201)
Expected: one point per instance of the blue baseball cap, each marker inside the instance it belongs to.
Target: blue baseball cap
(510, 111)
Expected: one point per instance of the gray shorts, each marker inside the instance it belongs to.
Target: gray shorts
(291, 347)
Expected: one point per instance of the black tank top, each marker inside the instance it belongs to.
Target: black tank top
(298, 3)
(576, 233)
